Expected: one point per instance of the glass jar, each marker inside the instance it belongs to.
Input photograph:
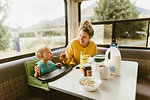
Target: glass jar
(83, 59)
(87, 69)
(98, 60)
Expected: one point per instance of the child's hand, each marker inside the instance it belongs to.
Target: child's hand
(63, 56)
(58, 65)
(37, 71)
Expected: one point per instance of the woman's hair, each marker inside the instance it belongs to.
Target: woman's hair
(86, 26)
(39, 51)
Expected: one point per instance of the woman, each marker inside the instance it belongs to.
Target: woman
(82, 43)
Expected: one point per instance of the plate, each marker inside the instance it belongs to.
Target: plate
(89, 83)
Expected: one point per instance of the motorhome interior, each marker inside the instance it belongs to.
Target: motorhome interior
(25, 25)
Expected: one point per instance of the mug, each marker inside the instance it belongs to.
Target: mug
(104, 72)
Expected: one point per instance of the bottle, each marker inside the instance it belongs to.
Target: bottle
(114, 62)
(114, 43)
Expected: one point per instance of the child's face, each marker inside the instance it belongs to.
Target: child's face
(47, 55)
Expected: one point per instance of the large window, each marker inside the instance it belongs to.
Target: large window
(27, 24)
(108, 12)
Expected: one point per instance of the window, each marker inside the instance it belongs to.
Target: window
(29, 24)
(99, 34)
(132, 34)
(104, 13)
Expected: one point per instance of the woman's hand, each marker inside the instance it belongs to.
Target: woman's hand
(58, 65)
(63, 56)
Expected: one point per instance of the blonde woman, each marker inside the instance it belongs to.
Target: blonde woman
(82, 43)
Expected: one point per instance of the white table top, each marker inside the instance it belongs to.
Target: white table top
(121, 87)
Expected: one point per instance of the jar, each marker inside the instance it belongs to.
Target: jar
(83, 59)
(87, 69)
(98, 60)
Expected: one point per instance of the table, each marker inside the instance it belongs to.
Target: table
(121, 87)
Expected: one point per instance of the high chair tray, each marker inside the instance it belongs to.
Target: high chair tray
(56, 73)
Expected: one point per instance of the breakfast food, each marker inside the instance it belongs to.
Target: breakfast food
(87, 82)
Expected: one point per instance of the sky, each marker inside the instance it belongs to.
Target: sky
(27, 12)
(142, 3)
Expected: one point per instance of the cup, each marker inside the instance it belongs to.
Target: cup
(104, 72)
(83, 59)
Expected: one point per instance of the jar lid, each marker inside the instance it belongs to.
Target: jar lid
(86, 65)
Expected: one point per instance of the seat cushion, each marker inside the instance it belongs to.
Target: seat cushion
(143, 89)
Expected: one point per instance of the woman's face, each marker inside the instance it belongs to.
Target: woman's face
(84, 38)
(47, 55)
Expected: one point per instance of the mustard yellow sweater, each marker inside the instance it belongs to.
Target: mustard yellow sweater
(73, 51)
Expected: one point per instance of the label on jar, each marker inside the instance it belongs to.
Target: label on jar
(89, 73)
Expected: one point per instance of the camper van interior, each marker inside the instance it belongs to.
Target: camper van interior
(28, 24)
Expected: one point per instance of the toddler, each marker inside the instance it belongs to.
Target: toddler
(45, 65)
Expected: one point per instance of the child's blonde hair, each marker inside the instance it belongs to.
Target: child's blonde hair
(86, 26)
(40, 50)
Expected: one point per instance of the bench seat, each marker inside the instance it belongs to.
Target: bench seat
(143, 89)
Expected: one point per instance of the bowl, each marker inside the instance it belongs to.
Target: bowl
(89, 83)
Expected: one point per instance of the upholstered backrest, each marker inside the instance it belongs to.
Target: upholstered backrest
(13, 81)
(57, 53)
(143, 66)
